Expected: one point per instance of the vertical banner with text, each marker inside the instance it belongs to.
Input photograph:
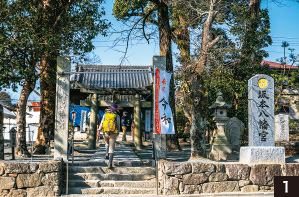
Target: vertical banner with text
(163, 114)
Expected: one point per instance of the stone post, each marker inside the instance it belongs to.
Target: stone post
(62, 111)
(137, 123)
(159, 139)
(94, 110)
(261, 139)
(282, 130)
(1, 134)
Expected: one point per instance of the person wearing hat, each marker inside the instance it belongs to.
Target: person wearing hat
(125, 123)
(110, 126)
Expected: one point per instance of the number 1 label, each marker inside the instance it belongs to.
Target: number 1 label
(286, 186)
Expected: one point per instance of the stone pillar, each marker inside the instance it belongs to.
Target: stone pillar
(62, 111)
(160, 139)
(282, 132)
(261, 111)
(261, 138)
(137, 122)
(94, 110)
(1, 134)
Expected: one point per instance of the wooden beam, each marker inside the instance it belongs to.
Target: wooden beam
(109, 91)
(87, 103)
(124, 104)
(146, 104)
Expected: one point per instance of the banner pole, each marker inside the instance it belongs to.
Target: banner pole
(155, 162)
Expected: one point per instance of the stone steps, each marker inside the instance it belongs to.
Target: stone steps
(118, 177)
(129, 174)
(121, 180)
(116, 170)
(105, 163)
(111, 190)
(120, 184)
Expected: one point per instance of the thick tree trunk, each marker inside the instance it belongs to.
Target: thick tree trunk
(182, 39)
(1, 134)
(197, 134)
(165, 50)
(198, 126)
(21, 147)
(47, 113)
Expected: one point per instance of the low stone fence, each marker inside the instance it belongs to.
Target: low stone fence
(30, 179)
(206, 177)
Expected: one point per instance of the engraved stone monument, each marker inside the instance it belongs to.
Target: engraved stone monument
(282, 127)
(62, 108)
(261, 137)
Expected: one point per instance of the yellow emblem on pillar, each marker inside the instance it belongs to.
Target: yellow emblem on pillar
(263, 83)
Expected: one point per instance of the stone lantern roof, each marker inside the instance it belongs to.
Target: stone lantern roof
(220, 103)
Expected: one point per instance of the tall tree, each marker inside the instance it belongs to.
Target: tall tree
(286, 78)
(155, 12)
(39, 31)
(248, 48)
(18, 60)
(254, 39)
(214, 54)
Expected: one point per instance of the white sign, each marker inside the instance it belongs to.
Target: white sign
(147, 120)
(83, 121)
(163, 114)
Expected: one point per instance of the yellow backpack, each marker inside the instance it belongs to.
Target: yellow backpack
(109, 123)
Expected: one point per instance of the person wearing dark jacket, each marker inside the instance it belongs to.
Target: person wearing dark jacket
(125, 123)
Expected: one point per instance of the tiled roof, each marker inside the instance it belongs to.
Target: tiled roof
(277, 65)
(35, 105)
(127, 77)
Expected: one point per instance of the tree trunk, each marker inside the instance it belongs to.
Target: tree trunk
(182, 39)
(165, 50)
(48, 93)
(198, 126)
(21, 146)
(1, 134)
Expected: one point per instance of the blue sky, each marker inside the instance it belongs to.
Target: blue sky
(284, 27)
(284, 20)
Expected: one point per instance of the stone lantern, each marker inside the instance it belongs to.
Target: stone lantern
(220, 107)
(221, 148)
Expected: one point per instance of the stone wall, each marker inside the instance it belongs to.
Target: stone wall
(206, 177)
(30, 179)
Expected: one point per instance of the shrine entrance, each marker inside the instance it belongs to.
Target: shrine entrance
(97, 87)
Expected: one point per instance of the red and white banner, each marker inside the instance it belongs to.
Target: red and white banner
(163, 114)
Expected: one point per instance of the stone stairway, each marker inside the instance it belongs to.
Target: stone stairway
(128, 176)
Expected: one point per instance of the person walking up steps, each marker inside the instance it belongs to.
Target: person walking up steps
(110, 126)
